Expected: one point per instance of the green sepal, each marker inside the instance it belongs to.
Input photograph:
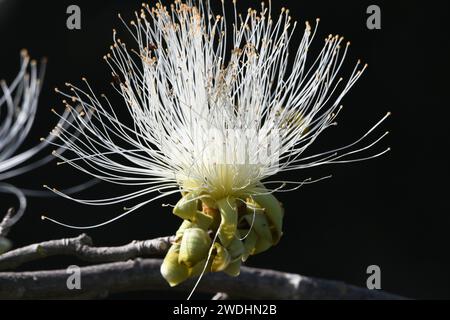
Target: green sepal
(173, 271)
(274, 213)
(194, 246)
(234, 268)
(221, 259)
(249, 243)
(186, 207)
(236, 248)
(185, 225)
(262, 244)
(199, 267)
(229, 217)
(203, 220)
(261, 226)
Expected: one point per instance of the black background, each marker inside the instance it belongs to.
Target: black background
(392, 211)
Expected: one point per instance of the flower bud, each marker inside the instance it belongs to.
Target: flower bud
(274, 213)
(180, 232)
(173, 271)
(234, 268)
(249, 243)
(203, 220)
(236, 249)
(221, 259)
(186, 208)
(194, 246)
(199, 267)
(260, 225)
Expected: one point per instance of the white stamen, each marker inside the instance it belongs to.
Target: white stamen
(181, 85)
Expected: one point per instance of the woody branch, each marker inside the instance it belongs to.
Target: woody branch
(128, 268)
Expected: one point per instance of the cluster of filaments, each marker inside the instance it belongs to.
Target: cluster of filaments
(184, 82)
(218, 235)
(18, 108)
(18, 105)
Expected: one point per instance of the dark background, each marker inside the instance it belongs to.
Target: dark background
(392, 211)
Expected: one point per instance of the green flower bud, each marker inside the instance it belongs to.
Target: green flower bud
(261, 226)
(260, 221)
(249, 243)
(236, 249)
(234, 268)
(198, 268)
(229, 217)
(262, 244)
(186, 208)
(185, 225)
(221, 259)
(203, 220)
(194, 246)
(173, 271)
(274, 213)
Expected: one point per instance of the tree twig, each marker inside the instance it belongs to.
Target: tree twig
(7, 222)
(143, 274)
(221, 296)
(5, 226)
(82, 248)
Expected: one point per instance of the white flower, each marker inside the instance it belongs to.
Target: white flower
(18, 106)
(189, 96)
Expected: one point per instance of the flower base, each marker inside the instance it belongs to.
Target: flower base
(218, 235)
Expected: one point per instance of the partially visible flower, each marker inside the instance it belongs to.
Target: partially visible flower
(213, 123)
(18, 106)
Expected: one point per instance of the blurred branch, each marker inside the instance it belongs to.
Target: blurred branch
(82, 248)
(100, 280)
(8, 222)
(5, 226)
(143, 274)
(221, 296)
